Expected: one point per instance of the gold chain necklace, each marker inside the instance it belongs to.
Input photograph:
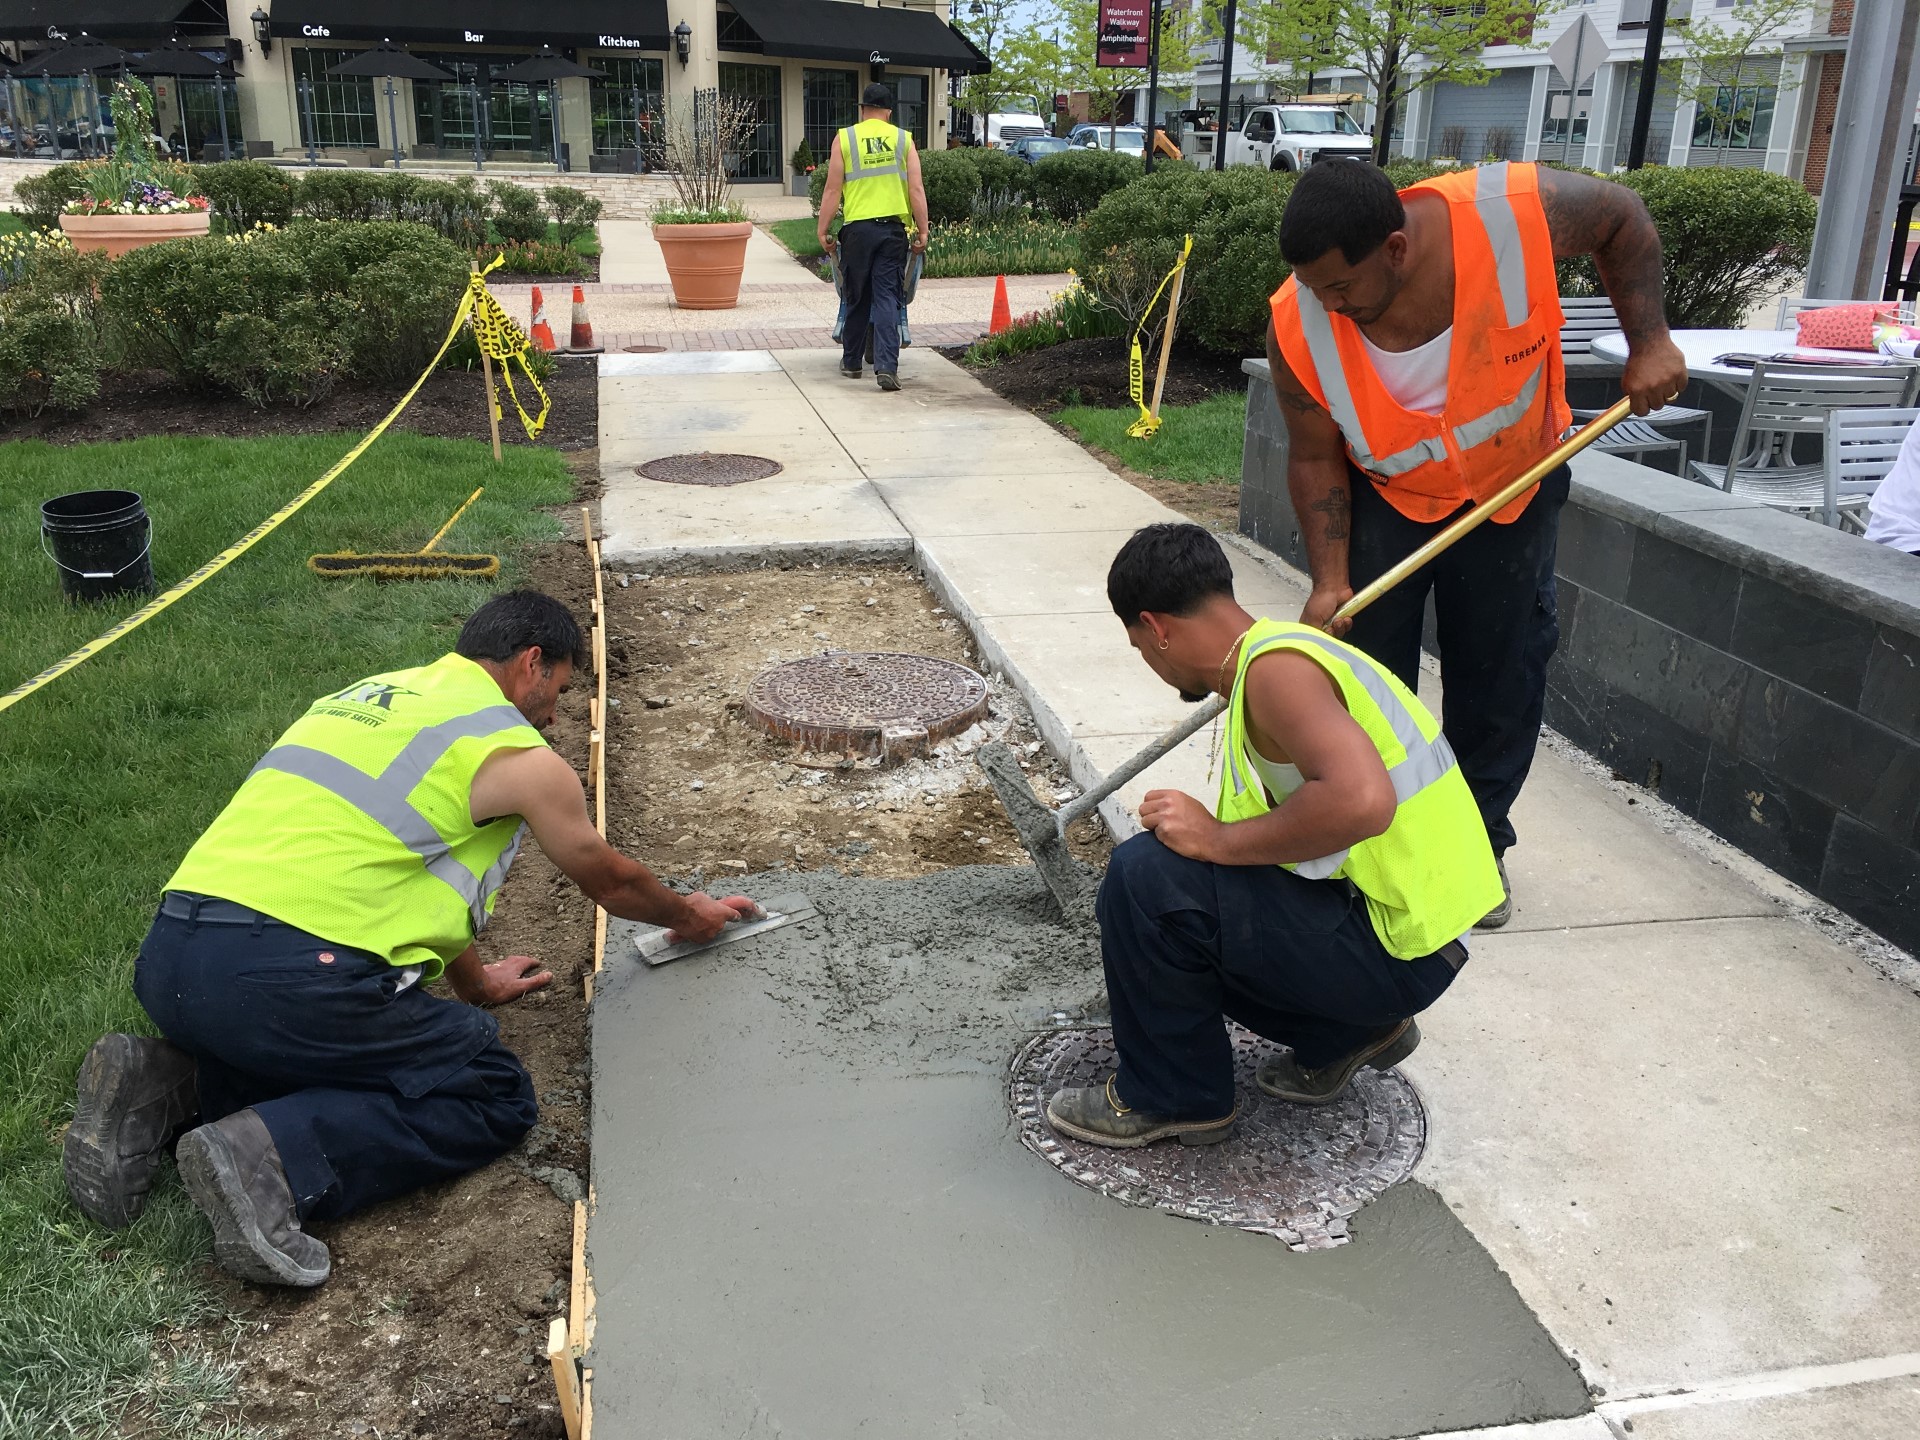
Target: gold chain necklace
(1233, 650)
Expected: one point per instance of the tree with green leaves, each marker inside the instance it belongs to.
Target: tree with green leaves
(1061, 49)
(989, 24)
(1400, 47)
(1725, 48)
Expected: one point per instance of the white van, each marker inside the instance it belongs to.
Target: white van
(1004, 129)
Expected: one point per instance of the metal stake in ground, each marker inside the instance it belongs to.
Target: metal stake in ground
(1043, 831)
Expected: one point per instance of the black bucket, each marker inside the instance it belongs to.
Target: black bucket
(102, 540)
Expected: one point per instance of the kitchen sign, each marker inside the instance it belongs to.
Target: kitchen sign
(1125, 34)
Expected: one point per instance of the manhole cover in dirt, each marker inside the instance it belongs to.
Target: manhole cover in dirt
(1297, 1172)
(709, 468)
(643, 350)
(882, 704)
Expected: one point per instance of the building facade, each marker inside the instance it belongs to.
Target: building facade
(799, 64)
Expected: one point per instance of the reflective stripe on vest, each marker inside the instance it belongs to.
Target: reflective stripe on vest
(876, 181)
(858, 167)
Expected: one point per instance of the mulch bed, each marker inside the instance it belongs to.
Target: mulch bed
(1094, 372)
(450, 405)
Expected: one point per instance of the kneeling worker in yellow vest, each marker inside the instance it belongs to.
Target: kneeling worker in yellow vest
(1322, 904)
(312, 1071)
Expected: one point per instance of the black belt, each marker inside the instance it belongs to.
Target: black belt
(210, 910)
(1454, 953)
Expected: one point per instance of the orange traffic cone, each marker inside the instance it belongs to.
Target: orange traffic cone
(581, 342)
(540, 330)
(1002, 312)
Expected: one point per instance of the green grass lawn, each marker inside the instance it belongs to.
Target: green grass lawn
(801, 236)
(111, 772)
(10, 222)
(1196, 444)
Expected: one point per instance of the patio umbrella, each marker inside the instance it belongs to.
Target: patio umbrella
(81, 59)
(549, 65)
(180, 61)
(387, 62)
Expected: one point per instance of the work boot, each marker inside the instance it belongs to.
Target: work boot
(1503, 912)
(853, 372)
(888, 380)
(234, 1175)
(1095, 1114)
(134, 1096)
(1284, 1078)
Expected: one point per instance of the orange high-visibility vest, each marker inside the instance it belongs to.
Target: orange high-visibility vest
(1506, 382)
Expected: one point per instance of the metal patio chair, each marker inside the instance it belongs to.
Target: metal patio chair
(1862, 444)
(1587, 316)
(1785, 402)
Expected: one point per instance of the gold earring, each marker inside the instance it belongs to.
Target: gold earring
(1163, 644)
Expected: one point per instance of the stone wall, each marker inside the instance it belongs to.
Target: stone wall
(1760, 672)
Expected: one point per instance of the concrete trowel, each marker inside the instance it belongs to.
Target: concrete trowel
(1043, 830)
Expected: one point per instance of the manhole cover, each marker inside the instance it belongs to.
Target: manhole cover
(1297, 1172)
(643, 349)
(884, 704)
(708, 468)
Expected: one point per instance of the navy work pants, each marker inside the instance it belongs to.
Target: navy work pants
(873, 256)
(1497, 626)
(369, 1091)
(1186, 943)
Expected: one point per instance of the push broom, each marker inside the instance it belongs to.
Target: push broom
(426, 563)
(1043, 830)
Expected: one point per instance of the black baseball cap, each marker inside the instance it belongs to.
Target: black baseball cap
(877, 94)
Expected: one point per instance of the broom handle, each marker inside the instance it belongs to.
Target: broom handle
(441, 533)
(1484, 512)
(1472, 520)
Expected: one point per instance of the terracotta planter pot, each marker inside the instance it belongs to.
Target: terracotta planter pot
(117, 234)
(705, 263)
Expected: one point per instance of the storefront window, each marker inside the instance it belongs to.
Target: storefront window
(910, 106)
(200, 107)
(759, 87)
(342, 105)
(632, 89)
(830, 101)
(512, 115)
(1734, 120)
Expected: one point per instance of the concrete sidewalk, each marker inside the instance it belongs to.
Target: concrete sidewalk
(1676, 1112)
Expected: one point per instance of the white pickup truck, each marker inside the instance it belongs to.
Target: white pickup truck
(1292, 137)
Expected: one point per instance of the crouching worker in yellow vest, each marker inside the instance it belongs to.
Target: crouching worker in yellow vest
(312, 1069)
(1324, 901)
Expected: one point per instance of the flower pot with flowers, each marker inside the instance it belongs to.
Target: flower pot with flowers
(133, 197)
(703, 234)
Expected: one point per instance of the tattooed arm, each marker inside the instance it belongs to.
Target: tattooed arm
(1588, 216)
(1317, 481)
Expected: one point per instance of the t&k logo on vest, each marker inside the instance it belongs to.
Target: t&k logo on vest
(372, 693)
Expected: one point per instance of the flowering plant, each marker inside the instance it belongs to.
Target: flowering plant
(134, 180)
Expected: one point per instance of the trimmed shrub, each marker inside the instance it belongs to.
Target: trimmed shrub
(1004, 181)
(1404, 173)
(43, 197)
(1729, 238)
(402, 307)
(1070, 184)
(1134, 235)
(246, 193)
(817, 187)
(342, 195)
(574, 211)
(455, 209)
(952, 183)
(517, 215)
(49, 356)
(536, 257)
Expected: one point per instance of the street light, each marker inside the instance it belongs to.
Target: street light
(261, 21)
(683, 42)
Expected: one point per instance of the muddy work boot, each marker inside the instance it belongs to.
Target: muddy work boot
(134, 1096)
(1095, 1114)
(888, 380)
(1503, 912)
(233, 1174)
(1284, 1078)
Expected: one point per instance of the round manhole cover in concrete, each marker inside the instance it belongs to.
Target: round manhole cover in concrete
(884, 703)
(709, 468)
(1297, 1172)
(643, 349)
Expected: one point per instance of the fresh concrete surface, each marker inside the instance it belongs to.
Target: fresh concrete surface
(1659, 1088)
(814, 1220)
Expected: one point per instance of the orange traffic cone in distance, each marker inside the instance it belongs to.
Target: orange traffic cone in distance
(581, 342)
(540, 331)
(1002, 312)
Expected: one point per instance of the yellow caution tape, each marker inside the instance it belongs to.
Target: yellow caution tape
(471, 304)
(502, 340)
(1136, 367)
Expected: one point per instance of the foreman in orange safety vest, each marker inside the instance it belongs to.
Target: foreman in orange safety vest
(1415, 354)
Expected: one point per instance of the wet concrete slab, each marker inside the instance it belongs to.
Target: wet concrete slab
(815, 1218)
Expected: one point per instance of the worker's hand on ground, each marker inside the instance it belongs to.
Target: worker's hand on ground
(1655, 374)
(1321, 605)
(1181, 823)
(508, 979)
(706, 916)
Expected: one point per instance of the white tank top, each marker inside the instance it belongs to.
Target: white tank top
(1280, 780)
(1416, 378)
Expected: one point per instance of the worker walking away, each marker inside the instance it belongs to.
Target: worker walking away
(1415, 353)
(1324, 901)
(289, 965)
(873, 183)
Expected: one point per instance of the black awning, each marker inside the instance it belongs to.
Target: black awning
(847, 30)
(58, 22)
(593, 24)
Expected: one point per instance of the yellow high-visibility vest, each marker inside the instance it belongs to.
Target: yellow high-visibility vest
(875, 156)
(357, 825)
(1430, 875)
